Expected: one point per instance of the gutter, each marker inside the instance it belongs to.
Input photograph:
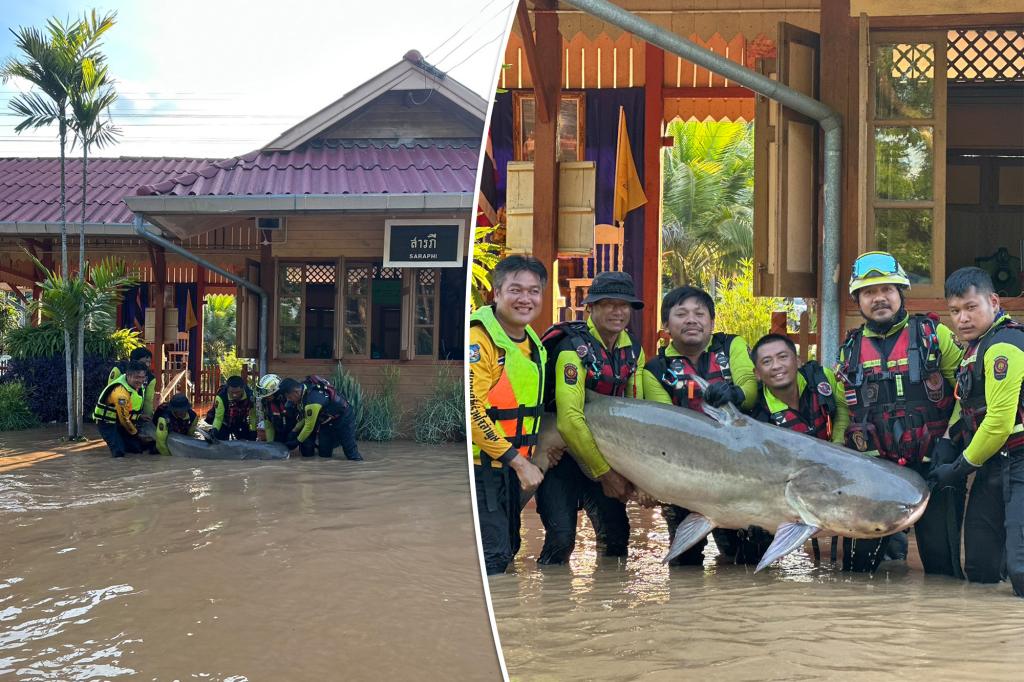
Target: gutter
(92, 229)
(169, 205)
(829, 120)
(141, 230)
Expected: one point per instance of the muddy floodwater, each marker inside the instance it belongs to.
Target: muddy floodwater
(602, 619)
(163, 568)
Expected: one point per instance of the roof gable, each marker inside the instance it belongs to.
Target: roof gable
(412, 76)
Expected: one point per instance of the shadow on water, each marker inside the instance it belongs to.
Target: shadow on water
(168, 568)
(603, 618)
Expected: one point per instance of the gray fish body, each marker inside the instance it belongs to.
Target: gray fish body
(745, 473)
(185, 446)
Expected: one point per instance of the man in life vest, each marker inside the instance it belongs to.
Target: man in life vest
(601, 356)
(148, 389)
(234, 411)
(277, 419)
(990, 392)
(506, 387)
(327, 419)
(118, 409)
(174, 416)
(723, 361)
(897, 372)
(797, 397)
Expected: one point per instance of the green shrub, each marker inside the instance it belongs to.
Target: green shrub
(381, 414)
(738, 311)
(230, 364)
(349, 387)
(14, 412)
(47, 340)
(442, 419)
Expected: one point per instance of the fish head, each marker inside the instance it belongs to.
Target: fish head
(858, 502)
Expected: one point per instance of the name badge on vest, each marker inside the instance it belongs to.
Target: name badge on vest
(935, 387)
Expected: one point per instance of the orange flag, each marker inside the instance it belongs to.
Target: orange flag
(629, 192)
(190, 314)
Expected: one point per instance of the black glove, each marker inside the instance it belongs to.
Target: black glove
(723, 392)
(950, 475)
(944, 452)
(292, 444)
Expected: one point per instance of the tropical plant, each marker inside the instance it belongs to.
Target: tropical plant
(10, 314)
(707, 227)
(442, 419)
(52, 63)
(381, 414)
(14, 410)
(219, 325)
(46, 341)
(739, 312)
(349, 386)
(230, 364)
(486, 254)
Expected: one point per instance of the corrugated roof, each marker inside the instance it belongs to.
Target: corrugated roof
(30, 187)
(335, 167)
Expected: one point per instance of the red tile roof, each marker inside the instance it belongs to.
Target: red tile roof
(335, 167)
(30, 187)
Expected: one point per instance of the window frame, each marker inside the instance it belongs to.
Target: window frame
(517, 121)
(279, 266)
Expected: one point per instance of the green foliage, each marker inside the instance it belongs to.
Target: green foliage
(486, 254)
(47, 340)
(219, 317)
(708, 202)
(442, 419)
(65, 301)
(10, 314)
(230, 365)
(349, 387)
(14, 412)
(381, 414)
(738, 311)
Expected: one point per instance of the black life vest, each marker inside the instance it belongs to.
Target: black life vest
(282, 414)
(970, 382)
(608, 371)
(676, 373)
(319, 391)
(899, 404)
(817, 406)
(174, 424)
(236, 412)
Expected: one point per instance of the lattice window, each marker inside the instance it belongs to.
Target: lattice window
(425, 277)
(386, 273)
(322, 273)
(357, 275)
(293, 274)
(985, 56)
(913, 62)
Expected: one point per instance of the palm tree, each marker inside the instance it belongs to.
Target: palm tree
(708, 206)
(486, 254)
(91, 96)
(218, 325)
(51, 61)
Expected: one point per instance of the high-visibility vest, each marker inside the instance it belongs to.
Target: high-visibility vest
(106, 413)
(515, 403)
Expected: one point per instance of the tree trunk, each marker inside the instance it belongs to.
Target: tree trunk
(64, 272)
(80, 355)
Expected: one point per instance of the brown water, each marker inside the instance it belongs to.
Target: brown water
(602, 619)
(175, 569)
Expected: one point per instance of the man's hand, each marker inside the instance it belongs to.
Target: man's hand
(951, 475)
(645, 500)
(944, 452)
(614, 485)
(529, 475)
(261, 436)
(723, 392)
(294, 452)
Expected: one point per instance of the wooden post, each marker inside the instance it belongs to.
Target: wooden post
(650, 273)
(547, 73)
(267, 284)
(200, 311)
(159, 260)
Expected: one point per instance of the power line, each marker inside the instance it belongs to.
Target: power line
(460, 28)
(461, 45)
(477, 51)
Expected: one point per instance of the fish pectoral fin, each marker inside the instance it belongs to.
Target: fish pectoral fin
(788, 536)
(726, 414)
(694, 528)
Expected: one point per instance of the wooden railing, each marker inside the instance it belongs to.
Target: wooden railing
(802, 337)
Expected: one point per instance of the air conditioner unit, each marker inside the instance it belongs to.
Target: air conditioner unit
(268, 223)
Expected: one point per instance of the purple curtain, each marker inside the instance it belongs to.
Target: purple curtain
(133, 307)
(182, 294)
(501, 142)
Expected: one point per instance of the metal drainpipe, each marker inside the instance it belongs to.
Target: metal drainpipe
(829, 120)
(142, 231)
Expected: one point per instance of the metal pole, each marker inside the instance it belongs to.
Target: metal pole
(143, 231)
(829, 120)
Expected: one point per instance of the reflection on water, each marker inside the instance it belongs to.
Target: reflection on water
(168, 568)
(600, 618)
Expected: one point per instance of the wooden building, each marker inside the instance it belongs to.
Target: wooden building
(353, 222)
(931, 96)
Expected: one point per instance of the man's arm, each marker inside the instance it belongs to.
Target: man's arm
(309, 420)
(743, 371)
(1004, 373)
(219, 410)
(147, 399)
(484, 371)
(842, 418)
(653, 390)
(123, 406)
(193, 425)
(161, 436)
(951, 353)
(570, 396)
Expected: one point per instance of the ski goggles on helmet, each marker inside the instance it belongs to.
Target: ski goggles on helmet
(877, 262)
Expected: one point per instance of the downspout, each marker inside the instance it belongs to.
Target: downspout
(143, 231)
(829, 120)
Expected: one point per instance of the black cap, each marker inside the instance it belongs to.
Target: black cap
(179, 402)
(614, 285)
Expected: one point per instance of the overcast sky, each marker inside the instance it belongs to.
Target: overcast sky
(218, 78)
